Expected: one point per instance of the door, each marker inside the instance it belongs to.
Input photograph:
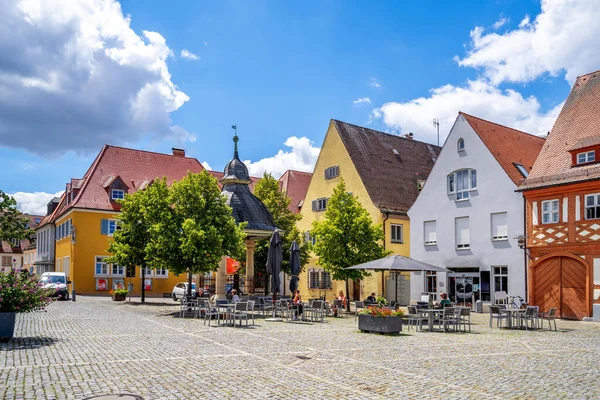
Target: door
(560, 282)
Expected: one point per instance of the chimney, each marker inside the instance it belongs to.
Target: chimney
(409, 135)
(178, 152)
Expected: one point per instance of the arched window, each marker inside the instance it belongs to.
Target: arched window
(461, 182)
(461, 144)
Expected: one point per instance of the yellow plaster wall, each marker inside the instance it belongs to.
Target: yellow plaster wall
(333, 152)
(90, 243)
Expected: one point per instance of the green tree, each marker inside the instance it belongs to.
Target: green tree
(195, 231)
(346, 237)
(12, 223)
(277, 202)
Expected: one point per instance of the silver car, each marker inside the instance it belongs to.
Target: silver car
(181, 289)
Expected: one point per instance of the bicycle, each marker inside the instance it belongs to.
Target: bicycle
(522, 305)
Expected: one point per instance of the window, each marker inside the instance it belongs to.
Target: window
(319, 279)
(500, 279)
(117, 194)
(130, 272)
(429, 229)
(461, 182)
(499, 226)
(63, 230)
(309, 239)
(108, 226)
(117, 270)
(320, 204)
(521, 170)
(550, 211)
(162, 272)
(431, 283)
(6, 261)
(461, 144)
(101, 267)
(149, 272)
(332, 172)
(462, 232)
(586, 157)
(592, 206)
(397, 233)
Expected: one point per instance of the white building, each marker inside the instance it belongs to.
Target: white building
(468, 216)
(45, 239)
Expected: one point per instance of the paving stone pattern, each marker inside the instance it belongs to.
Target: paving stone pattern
(96, 346)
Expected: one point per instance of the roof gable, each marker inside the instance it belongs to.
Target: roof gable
(508, 146)
(295, 185)
(577, 125)
(389, 165)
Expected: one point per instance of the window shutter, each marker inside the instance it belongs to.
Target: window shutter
(104, 227)
(314, 205)
(499, 226)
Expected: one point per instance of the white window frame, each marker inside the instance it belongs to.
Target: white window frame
(550, 211)
(495, 237)
(320, 204)
(426, 240)
(460, 144)
(101, 262)
(394, 228)
(458, 235)
(115, 191)
(112, 270)
(453, 183)
(112, 226)
(161, 273)
(149, 272)
(502, 274)
(586, 157)
(595, 205)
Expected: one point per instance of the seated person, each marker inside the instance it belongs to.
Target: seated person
(234, 296)
(341, 301)
(297, 300)
(445, 301)
(371, 299)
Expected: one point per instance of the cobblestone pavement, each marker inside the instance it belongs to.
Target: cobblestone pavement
(95, 346)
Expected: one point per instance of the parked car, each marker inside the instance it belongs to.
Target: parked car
(181, 289)
(57, 281)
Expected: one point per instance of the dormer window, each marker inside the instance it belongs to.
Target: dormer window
(117, 194)
(460, 145)
(586, 157)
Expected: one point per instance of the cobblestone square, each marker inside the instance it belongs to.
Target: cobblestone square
(96, 346)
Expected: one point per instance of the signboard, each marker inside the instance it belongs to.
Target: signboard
(118, 283)
(232, 266)
(147, 284)
(101, 283)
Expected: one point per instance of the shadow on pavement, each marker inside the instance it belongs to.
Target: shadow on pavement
(26, 343)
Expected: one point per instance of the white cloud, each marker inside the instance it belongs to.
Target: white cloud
(361, 101)
(78, 77)
(478, 98)
(206, 43)
(302, 157)
(206, 165)
(374, 83)
(563, 37)
(34, 203)
(185, 53)
(501, 22)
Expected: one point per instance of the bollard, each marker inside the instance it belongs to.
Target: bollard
(73, 295)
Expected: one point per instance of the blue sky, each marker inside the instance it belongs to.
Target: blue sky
(278, 70)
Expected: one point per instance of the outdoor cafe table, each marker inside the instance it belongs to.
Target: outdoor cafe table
(431, 313)
(512, 314)
(227, 308)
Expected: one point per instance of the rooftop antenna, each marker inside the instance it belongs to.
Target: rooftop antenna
(436, 123)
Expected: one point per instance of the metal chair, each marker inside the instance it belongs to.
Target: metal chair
(465, 318)
(201, 306)
(415, 317)
(359, 306)
(187, 306)
(448, 318)
(211, 311)
(317, 310)
(549, 316)
(498, 316)
(240, 312)
(530, 315)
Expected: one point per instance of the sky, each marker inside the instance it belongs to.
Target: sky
(155, 75)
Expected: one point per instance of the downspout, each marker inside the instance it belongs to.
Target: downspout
(387, 215)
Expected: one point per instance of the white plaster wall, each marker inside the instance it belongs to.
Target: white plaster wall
(495, 193)
(46, 255)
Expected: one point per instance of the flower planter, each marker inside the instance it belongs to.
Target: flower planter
(119, 297)
(370, 323)
(7, 324)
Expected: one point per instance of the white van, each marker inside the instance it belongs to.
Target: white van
(57, 281)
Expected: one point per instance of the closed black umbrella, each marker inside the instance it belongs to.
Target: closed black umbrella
(294, 265)
(274, 262)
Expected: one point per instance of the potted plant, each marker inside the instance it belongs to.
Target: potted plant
(380, 319)
(119, 294)
(19, 292)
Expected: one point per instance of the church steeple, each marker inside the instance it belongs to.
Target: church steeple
(235, 171)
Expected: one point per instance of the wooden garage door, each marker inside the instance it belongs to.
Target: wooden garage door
(561, 282)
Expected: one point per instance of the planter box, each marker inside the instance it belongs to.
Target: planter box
(369, 323)
(7, 324)
(119, 297)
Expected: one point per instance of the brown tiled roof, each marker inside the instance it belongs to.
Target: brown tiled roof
(390, 179)
(509, 146)
(578, 121)
(585, 142)
(133, 167)
(219, 176)
(295, 184)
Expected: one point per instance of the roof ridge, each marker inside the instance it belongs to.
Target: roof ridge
(503, 126)
(295, 170)
(87, 175)
(384, 133)
(589, 73)
(147, 151)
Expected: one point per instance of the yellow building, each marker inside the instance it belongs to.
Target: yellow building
(385, 172)
(87, 217)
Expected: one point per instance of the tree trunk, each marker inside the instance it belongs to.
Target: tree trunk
(143, 283)
(347, 298)
(189, 290)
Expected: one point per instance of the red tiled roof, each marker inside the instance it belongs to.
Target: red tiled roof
(295, 184)
(578, 121)
(219, 176)
(133, 167)
(508, 145)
